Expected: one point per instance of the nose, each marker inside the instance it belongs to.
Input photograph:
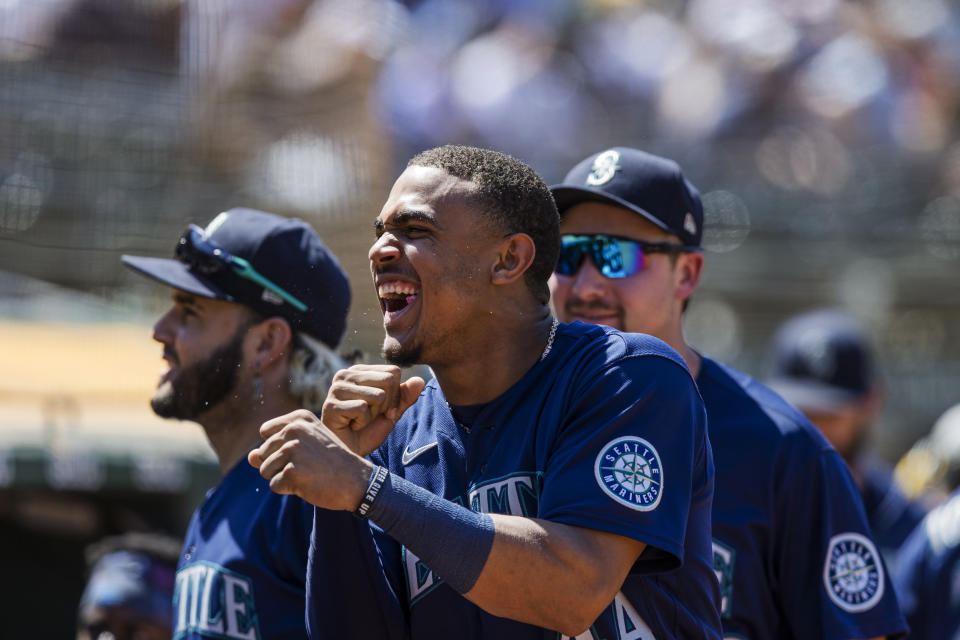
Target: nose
(588, 283)
(163, 329)
(383, 251)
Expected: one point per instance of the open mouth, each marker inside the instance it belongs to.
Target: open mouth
(169, 366)
(396, 297)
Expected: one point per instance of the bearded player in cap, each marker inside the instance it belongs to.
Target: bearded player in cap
(791, 545)
(551, 480)
(259, 304)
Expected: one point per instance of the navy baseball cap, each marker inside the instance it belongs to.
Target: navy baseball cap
(133, 581)
(648, 185)
(290, 272)
(821, 360)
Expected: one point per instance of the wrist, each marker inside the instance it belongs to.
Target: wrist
(452, 540)
(377, 478)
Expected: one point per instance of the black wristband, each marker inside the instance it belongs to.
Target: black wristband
(377, 479)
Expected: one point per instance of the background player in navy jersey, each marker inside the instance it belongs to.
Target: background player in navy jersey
(790, 541)
(929, 560)
(823, 364)
(558, 477)
(258, 305)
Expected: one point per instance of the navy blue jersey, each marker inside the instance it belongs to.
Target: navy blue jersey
(927, 580)
(891, 515)
(244, 563)
(248, 555)
(347, 589)
(607, 433)
(792, 547)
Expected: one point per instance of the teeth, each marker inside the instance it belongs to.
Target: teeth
(396, 288)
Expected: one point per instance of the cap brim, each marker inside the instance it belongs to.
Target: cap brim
(175, 274)
(810, 396)
(567, 196)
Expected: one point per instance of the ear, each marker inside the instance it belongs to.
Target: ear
(514, 256)
(269, 341)
(687, 273)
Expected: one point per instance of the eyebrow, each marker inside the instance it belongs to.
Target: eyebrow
(185, 299)
(406, 216)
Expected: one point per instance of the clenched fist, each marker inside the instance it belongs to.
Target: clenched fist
(321, 460)
(365, 402)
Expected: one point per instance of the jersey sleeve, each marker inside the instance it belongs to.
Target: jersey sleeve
(626, 458)
(292, 524)
(348, 594)
(819, 512)
(927, 575)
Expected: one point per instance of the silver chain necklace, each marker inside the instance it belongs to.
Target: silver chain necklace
(553, 332)
(546, 351)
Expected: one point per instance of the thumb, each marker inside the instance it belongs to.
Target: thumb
(409, 392)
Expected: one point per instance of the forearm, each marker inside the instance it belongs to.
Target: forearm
(553, 575)
(548, 574)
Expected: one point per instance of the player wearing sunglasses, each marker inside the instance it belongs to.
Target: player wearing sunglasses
(258, 306)
(791, 545)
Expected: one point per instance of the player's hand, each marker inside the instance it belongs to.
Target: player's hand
(365, 402)
(301, 456)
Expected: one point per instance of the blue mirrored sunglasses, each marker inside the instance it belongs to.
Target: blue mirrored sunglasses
(615, 257)
(209, 258)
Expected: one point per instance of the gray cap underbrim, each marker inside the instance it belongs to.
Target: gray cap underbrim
(175, 274)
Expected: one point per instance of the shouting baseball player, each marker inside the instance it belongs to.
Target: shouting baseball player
(258, 305)
(552, 480)
(791, 545)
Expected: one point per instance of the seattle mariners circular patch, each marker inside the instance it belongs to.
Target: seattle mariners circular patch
(628, 470)
(853, 574)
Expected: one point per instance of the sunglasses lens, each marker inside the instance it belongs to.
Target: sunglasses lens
(618, 258)
(573, 249)
(615, 258)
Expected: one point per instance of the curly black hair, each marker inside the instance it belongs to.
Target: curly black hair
(515, 198)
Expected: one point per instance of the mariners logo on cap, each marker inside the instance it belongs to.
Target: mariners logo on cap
(216, 223)
(628, 469)
(689, 224)
(604, 167)
(853, 574)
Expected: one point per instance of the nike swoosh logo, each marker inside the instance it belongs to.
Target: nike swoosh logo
(408, 455)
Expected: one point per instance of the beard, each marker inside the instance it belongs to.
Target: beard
(399, 355)
(201, 386)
